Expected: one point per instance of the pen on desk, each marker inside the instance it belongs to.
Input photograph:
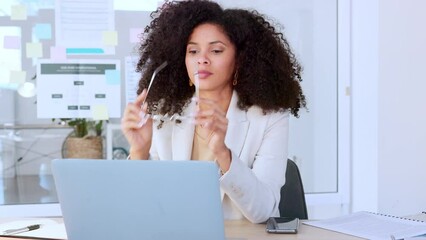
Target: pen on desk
(21, 230)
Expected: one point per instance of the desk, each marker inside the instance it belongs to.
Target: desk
(244, 230)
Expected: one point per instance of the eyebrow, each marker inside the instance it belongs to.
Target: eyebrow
(210, 43)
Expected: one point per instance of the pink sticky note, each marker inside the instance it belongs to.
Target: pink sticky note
(12, 42)
(58, 53)
(135, 35)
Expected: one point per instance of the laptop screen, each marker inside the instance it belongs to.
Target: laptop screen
(119, 199)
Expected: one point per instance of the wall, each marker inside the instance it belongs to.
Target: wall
(310, 26)
(7, 147)
(316, 25)
(402, 112)
(37, 152)
(364, 76)
(388, 144)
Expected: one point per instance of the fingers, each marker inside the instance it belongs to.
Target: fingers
(141, 98)
(210, 104)
(135, 115)
(213, 118)
(131, 112)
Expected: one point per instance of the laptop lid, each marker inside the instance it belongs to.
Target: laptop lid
(119, 199)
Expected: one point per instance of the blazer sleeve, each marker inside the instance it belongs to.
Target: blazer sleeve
(255, 188)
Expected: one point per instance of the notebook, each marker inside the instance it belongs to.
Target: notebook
(123, 199)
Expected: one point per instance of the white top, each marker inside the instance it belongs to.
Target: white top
(258, 145)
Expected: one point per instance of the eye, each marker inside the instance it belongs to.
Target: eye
(216, 51)
(192, 51)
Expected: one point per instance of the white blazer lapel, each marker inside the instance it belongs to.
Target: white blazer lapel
(183, 137)
(237, 126)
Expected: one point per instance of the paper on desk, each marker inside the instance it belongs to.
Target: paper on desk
(418, 217)
(422, 237)
(372, 226)
(49, 229)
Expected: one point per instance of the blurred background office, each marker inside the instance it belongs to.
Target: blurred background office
(359, 147)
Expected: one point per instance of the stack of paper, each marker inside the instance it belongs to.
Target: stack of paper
(373, 226)
(49, 228)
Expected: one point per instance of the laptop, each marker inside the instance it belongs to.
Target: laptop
(124, 199)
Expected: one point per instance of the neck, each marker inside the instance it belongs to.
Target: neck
(223, 97)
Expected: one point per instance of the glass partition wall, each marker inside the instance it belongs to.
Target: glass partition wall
(25, 155)
(318, 32)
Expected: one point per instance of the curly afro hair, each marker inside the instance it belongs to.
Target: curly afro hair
(268, 74)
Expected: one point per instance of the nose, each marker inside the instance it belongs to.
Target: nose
(203, 60)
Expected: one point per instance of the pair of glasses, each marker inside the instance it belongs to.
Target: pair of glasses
(158, 117)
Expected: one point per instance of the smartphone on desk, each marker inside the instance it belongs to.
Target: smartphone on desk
(282, 225)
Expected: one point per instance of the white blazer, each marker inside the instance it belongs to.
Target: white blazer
(258, 143)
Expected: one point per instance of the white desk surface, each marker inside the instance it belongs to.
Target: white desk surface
(244, 230)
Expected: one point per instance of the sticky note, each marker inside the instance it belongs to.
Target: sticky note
(17, 76)
(109, 38)
(18, 12)
(135, 35)
(112, 77)
(58, 53)
(12, 42)
(43, 31)
(34, 50)
(100, 112)
(71, 51)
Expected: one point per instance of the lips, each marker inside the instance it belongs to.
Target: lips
(204, 74)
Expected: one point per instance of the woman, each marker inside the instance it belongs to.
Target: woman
(247, 82)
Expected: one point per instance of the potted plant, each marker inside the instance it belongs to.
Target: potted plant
(85, 141)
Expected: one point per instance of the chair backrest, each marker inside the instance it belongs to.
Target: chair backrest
(293, 203)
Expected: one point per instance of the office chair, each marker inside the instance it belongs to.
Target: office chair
(293, 203)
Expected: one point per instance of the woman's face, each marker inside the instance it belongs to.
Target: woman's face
(210, 53)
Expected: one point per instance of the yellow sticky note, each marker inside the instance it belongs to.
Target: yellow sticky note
(100, 112)
(109, 38)
(17, 76)
(18, 12)
(34, 50)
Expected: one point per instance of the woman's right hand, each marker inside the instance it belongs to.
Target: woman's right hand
(138, 135)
